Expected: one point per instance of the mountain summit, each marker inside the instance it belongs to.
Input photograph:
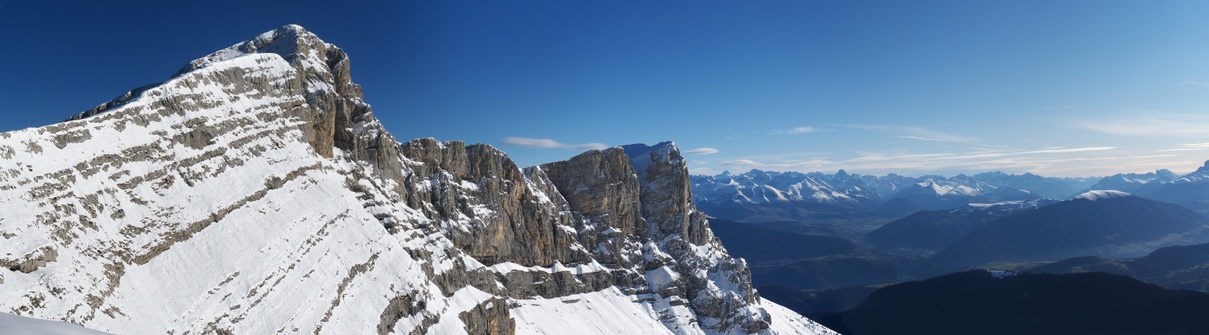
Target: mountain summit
(255, 192)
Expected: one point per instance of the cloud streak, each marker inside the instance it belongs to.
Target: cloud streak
(1064, 151)
(795, 131)
(701, 151)
(1055, 161)
(1151, 126)
(915, 133)
(1188, 147)
(1195, 83)
(545, 143)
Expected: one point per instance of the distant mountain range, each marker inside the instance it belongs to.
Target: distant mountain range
(1102, 223)
(765, 196)
(1184, 267)
(768, 196)
(820, 243)
(808, 261)
(930, 231)
(1190, 190)
(1175, 267)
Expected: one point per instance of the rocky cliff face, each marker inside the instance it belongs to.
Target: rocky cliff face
(255, 192)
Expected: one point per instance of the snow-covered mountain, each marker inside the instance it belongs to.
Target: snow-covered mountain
(1046, 187)
(936, 192)
(1190, 190)
(1101, 223)
(758, 186)
(1131, 181)
(760, 194)
(255, 192)
(930, 231)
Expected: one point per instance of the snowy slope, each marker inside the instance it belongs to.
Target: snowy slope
(19, 325)
(254, 192)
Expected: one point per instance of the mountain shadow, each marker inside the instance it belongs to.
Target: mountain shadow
(927, 232)
(1176, 267)
(1106, 226)
(808, 261)
(982, 302)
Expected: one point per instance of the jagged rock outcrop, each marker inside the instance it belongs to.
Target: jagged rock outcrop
(255, 192)
(601, 186)
(667, 200)
(487, 205)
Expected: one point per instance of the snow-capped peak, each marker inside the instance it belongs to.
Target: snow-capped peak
(1094, 195)
(292, 42)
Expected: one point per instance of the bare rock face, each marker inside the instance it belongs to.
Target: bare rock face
(509, 218)
(601, 186)
(258, 172)
(666, 195)
(682, 231)
(489, 318)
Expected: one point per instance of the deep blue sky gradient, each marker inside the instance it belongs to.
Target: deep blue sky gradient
(1070, 88)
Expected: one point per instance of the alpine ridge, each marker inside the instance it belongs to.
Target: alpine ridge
(768, 196)
(254, 192)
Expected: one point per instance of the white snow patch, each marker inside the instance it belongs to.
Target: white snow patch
(604, 312)
(506, 267)
(786, 321)
(661, 277)
(469, 186)
(1101, 195)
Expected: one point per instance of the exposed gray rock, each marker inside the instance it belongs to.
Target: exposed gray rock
(679, 228)
(666, 196)
(489, 318)
(32, 261)
(601, 186)
(508, 219)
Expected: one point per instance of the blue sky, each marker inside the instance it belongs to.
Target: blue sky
(1071, 88)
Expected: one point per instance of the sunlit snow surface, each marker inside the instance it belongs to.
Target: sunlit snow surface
(1101, 194)
(611, 312)
(19, 325)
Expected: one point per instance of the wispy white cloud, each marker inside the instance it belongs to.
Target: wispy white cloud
(545, 143)
(743, 162)
(1151, 126)
(792, 165)
(701, 151)
(1188, 147)
(795, 130)
(1195, 83)
(1063, 150)
(925, 138)
(915, 133)
(1057, 107)
(882, 158)
(1053, 161)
